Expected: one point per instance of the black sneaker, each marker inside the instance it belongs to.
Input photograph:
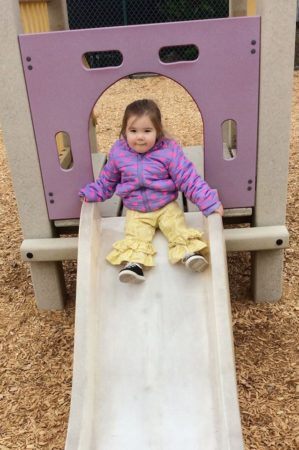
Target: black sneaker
(131, 273)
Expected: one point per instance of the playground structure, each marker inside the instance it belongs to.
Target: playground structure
(266, 123)
(272, 157)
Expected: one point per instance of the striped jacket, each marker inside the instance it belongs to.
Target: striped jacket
(151, 180)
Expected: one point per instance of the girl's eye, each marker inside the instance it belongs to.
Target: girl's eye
(148, 131)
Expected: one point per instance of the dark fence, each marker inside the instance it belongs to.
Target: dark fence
(109, 13)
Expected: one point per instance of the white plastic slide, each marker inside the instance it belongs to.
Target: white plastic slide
(154, 362)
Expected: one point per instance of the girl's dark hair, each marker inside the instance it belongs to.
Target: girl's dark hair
(140, 108)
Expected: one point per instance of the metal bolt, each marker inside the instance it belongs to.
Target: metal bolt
(29, 255)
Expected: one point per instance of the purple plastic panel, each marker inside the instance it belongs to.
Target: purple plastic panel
(223, 81)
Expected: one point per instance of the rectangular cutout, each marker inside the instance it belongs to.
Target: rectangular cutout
(101, 59)
(178, 53)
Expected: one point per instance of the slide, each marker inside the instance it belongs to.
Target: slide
(153, 363)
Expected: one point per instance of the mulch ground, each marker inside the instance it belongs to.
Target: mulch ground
(36, 347)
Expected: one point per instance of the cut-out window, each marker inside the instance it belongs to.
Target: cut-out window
(178, 53)
(101, 59)
(64, 150)
(229, 139)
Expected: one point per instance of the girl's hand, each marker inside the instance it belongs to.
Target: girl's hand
(219, 210)
(82, 199)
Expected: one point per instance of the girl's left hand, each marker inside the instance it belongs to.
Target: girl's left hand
(219, 210)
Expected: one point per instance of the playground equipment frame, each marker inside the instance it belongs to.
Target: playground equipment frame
(276, 68)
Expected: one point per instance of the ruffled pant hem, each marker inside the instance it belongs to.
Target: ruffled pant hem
(128, 250)
(177, 253)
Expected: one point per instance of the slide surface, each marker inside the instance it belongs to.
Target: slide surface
(154, 362)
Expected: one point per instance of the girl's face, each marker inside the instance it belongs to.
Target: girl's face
(140, 133)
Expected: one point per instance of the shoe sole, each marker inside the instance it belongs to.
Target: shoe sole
(127, 276)
(197, 263)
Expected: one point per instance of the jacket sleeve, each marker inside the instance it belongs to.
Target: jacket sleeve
(104, 186)
(187, 180)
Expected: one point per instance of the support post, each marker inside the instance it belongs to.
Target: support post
(20, 145)
(276, 75)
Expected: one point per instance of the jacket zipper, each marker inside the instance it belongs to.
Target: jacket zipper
(141, 180)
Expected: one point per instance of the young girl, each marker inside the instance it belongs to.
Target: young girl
(147, 169)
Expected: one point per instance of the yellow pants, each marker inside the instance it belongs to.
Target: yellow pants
(139, 232)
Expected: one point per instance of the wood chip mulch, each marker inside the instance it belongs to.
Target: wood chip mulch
(36, 347)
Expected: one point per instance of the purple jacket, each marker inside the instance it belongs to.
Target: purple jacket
(149, 181)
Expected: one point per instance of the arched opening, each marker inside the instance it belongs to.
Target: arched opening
(181, 117)
(180, 114)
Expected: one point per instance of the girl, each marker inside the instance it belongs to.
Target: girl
(147, 169)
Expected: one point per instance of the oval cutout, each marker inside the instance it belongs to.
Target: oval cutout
(102, 59)
(229, 139)
(64, 150)
(178, 53)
